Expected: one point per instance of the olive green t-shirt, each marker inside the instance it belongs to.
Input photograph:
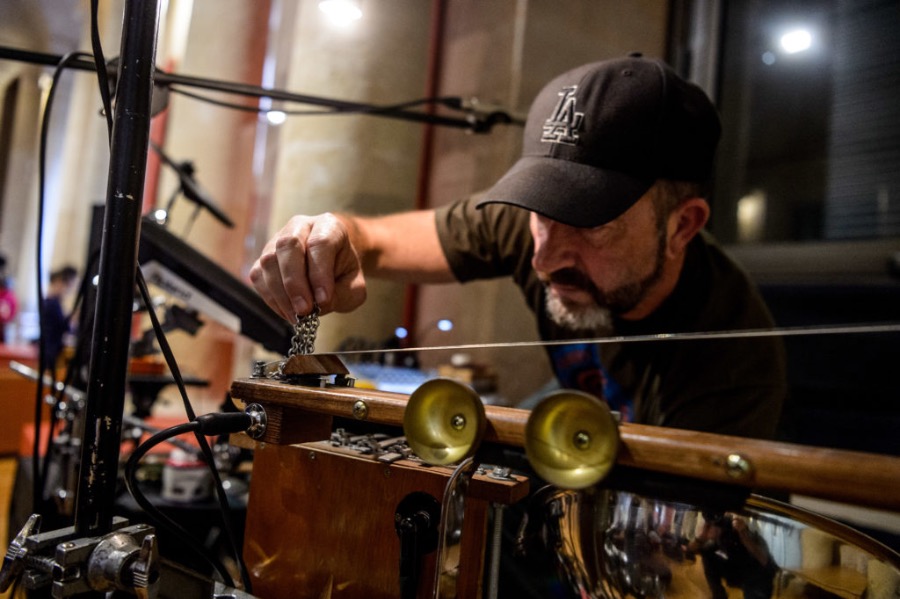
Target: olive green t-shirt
(728, 384)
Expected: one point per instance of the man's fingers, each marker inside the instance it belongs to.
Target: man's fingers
(266, 278)
(310, 261)
(290, 253)
(322, 251)
(333, 267)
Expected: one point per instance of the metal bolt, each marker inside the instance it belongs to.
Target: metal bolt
(259, 369)
(737, 466)
(582, 440)
(458, 422)
(360, 410)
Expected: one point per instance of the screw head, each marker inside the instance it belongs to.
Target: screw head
(582, 440)
(360, 410)
(458, 422)
(737, 466)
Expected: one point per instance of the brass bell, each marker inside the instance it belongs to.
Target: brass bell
(444, 421)
(571, 439)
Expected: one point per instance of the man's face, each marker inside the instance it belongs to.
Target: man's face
(607, 270)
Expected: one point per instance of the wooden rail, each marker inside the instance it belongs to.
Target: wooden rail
(859, 478)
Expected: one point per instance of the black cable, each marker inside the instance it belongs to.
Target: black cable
(477, 122)
(151, 510)
(208, 424)
(100, 65)
(43, 367)
(449, 101)
(204, 444)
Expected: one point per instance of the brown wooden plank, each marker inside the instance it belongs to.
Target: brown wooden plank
(847, 476)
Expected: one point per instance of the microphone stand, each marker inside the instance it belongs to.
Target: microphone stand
(188, 186)
(97, 557)
(477, 120)
(118, 260)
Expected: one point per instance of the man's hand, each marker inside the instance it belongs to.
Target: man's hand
(311, 259)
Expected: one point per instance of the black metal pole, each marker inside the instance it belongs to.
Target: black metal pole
(118, 259)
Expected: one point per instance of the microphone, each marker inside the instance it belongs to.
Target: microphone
(484, 116)
(191, 189)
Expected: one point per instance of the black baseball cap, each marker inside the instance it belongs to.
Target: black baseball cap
(597, 138)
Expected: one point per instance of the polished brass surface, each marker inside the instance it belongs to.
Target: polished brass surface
(614, 544)
(444, 421)
(571, 439)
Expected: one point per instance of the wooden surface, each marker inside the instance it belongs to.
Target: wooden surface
(852, 477)
(7, 480)
(17, 396)
(320, 523)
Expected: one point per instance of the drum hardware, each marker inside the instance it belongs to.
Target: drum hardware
(125, 559)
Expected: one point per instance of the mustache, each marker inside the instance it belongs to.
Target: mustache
(569, 277)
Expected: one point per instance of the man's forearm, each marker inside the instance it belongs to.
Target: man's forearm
(400, 247)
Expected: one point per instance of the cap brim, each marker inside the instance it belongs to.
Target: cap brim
(574, 194)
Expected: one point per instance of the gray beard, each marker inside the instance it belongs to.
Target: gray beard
(584, 318)
(597, 317)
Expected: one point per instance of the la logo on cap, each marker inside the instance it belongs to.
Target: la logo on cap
(563, 125)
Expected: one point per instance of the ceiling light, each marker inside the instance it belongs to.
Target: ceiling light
(341, 12)
(276, 117)
(795, 41)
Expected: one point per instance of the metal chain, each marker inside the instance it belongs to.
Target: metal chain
(304, 339)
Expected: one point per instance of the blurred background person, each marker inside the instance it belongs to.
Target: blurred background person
(55, 323)
(9, 304)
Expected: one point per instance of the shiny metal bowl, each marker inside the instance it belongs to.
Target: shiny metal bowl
(612, 544)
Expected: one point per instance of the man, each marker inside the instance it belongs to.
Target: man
(600, 224)
(9, 304)
(56, 324)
